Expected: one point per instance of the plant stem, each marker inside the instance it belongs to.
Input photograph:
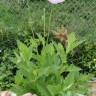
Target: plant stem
(44, 22)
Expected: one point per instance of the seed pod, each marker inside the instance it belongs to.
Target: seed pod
(61, 36)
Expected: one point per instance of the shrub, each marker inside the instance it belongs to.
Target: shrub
(84, 56)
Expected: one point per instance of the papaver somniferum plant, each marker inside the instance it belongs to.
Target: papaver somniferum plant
(42, 72)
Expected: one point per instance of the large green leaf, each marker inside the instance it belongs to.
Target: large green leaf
(25, 52)
(72, 42)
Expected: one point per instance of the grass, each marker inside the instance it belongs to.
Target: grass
(78, 16)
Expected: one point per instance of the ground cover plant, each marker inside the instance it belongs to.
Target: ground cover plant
(85, 55)
(7, 71)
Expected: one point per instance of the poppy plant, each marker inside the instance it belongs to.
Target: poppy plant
(56, 1)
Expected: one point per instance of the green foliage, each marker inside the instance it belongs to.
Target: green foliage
(42, 73)
(7, 70)
(84, 56)
(31, 16)
(24, 18)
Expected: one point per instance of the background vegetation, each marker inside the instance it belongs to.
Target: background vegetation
(22, 19)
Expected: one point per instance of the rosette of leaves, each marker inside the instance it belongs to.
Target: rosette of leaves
(41, 73)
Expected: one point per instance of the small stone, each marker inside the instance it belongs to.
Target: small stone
(34, 95)
(28, 94)
(7, 93)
